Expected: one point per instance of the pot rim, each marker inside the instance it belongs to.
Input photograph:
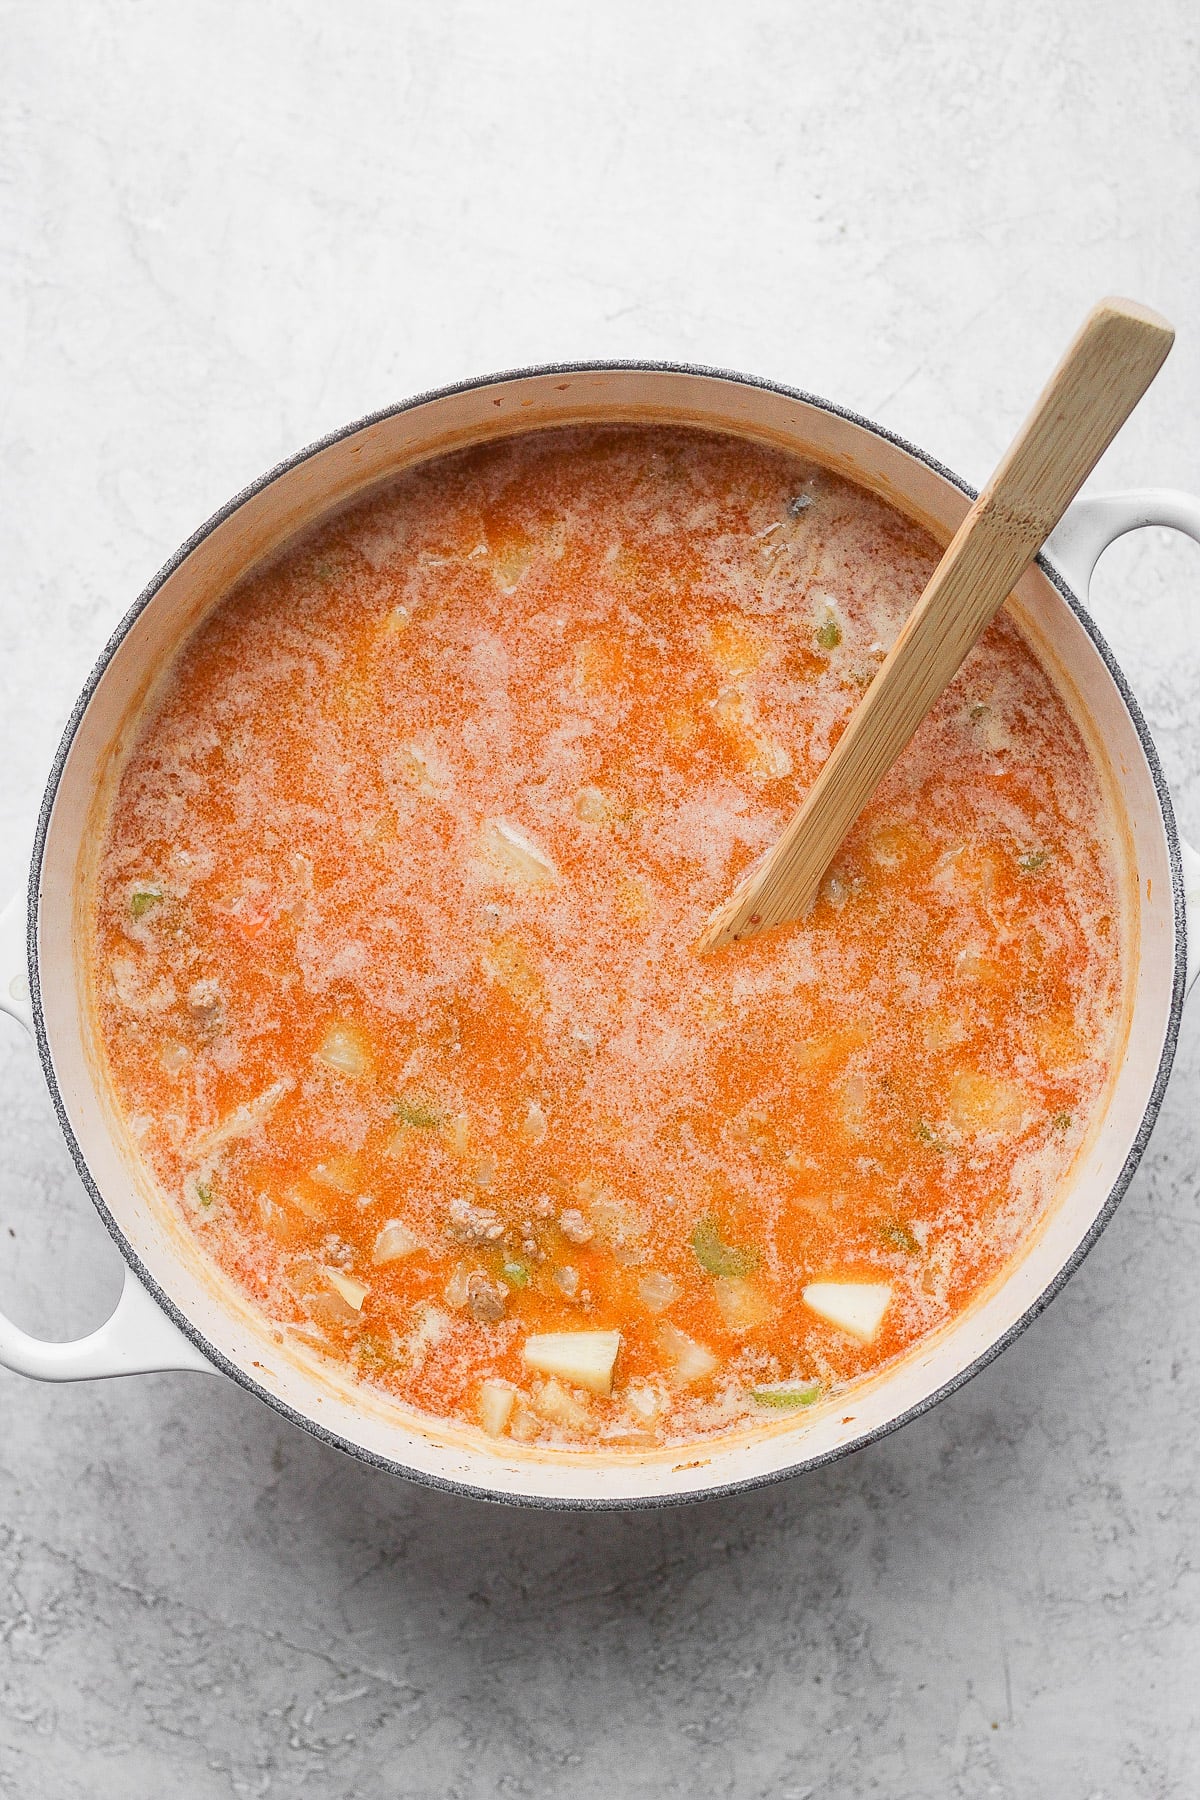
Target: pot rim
(600, 1503)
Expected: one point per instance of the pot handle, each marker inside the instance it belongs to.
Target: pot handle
(137, 1337)
(1076, 546)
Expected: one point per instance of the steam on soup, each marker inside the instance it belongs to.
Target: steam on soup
(393, 944)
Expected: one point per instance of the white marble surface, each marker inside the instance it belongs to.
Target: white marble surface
(227, 229)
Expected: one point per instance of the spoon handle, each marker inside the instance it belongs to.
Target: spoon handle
(1106, 370)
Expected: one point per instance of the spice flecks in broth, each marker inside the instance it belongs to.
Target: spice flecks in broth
(394, 937)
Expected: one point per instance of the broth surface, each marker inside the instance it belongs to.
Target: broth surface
(393, 956)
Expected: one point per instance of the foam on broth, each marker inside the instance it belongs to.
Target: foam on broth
(394, 925)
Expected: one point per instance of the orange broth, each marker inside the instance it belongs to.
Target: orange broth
(394, 923)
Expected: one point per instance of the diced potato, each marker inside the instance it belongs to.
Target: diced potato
(599, 666)
(619, 1226)
(689, 1361)
(283, 1223)
(635, 902)
(646, 1402)
(421, 770)
(942, 1030)
(496, 1401)
(786, 1396)
(828, 1048)
(764, 756)
(585, 1358)
(852, 1104)
(740, 1303)
(510, 560)
(656, 1291)
(552, 1402)
(352, 1292)
(313, 1206)
(507, 961)
(330, 1312)
(344, 1048)
(593, 806)
(856, 1307)
(533, 1126)
(513, 857)
(1060, 1043)
(681, 726)
(523, 1426)
(734, 646)
(394, 1242)
(173, 1056)
(896, 846)
(984, 1103)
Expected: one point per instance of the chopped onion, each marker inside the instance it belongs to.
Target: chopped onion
(352, 1292)
(242, 1120)
(344, 1048)
(394, 1242)
(656, 1291)
(513, 856)
(552, 1402)
(690, 1361)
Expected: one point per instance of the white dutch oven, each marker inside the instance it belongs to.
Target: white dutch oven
(176, 1312)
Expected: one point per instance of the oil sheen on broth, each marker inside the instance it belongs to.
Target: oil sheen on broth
(393, 953)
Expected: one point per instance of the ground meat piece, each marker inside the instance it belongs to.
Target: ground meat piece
(486, 1300)
(472, 1224)
(206, 1008)
(573, 1225)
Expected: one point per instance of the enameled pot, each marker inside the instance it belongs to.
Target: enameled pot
(177, 1312)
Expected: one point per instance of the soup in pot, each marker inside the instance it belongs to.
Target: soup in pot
(394, 927)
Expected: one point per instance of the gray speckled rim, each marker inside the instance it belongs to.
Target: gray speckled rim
(471, 1490)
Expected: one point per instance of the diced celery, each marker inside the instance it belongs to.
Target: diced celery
(785, 1396)
(899, 1237)
(418, 1113)
(142, 899)
(394, 1242)
(925, 1134)
(717, 1257)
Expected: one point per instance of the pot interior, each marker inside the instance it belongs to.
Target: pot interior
(162, 1247)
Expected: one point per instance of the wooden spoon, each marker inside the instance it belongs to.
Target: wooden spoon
(1106, 370)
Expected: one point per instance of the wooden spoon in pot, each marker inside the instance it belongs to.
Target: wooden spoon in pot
(1106, 370)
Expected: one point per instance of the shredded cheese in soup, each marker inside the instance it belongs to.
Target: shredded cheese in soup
(394, 929)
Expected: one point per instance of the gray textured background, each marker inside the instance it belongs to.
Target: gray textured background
(226, 229)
